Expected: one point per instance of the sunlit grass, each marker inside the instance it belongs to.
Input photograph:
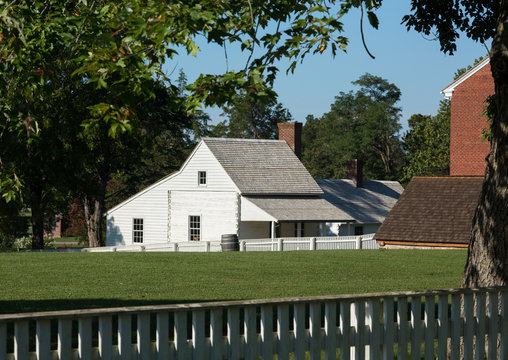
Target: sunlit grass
(54, 281)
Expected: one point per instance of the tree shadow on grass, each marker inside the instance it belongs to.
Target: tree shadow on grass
(28, 306)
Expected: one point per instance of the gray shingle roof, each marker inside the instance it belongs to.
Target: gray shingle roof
(260, 167)
(285, 208)
(433, 210)
(368, 204)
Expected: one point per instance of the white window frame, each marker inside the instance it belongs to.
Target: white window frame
(202, 177)
(193, 230)
(138, 228)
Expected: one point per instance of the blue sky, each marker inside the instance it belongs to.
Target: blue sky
(408, 59)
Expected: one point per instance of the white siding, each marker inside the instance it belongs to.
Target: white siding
(252, 213)
(151, 204)
(218, 211)
(152, 207)
(202, 160)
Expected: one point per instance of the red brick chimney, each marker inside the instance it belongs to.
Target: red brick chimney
(291, 132)
(355, 171)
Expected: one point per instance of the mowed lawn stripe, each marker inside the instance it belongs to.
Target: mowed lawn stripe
(56, 281)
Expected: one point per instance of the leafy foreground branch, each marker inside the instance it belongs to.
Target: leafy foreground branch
(76, 76)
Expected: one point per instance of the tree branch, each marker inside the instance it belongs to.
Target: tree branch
(361, 31)
(226, 56)
(256, 31)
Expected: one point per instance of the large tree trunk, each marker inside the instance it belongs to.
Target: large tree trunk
(94, 207)
(37, 218)
(488, 250)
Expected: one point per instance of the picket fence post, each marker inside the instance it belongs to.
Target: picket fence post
(493, 324)
(162, 335)
(266, 332)
(124, 336)
(443, 327)
(345, 325)
(480, 332)
(3, 340)
(283, 331)
(216, 342)
(280, 244)
(403, 327)
(85, 338)
(233, 328)
(21, 340)
(105, 337)
(180, 318)
(358, 243)
(330, 330)
(42, 339)
(504, 325)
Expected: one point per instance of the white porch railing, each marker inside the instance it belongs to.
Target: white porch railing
(310, 243)
(374, 326)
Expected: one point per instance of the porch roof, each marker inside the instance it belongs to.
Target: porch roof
(291, 208)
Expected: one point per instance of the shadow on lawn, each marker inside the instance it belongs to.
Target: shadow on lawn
(24, 306)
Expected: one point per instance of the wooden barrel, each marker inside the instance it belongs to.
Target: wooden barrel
(229, 242)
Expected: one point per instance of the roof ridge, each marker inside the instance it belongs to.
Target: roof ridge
(240, 139)
(448, 176)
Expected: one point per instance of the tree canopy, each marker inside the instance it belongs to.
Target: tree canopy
(251, 118)
(427, 144)
(360, 125)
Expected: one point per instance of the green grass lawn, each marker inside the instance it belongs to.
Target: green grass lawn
(55, 281)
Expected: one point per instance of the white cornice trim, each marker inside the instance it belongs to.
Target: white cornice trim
(448, 91)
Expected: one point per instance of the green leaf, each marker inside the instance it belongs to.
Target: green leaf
(373, 20)
(101, 83)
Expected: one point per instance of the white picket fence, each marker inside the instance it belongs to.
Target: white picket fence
(411, 325)
(183, 246)
(310, 243)
(277, 244)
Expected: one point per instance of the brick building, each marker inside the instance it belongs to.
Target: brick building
(468, 94)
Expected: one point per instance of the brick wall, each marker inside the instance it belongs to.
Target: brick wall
(467, 150)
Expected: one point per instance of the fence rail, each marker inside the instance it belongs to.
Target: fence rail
(278, 244)
(436, 324)
(310, 243)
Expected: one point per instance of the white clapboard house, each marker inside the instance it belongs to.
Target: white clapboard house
(252, 188)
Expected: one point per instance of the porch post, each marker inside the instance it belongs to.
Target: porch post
(322, 229)
(273, 230)
(338, 228)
